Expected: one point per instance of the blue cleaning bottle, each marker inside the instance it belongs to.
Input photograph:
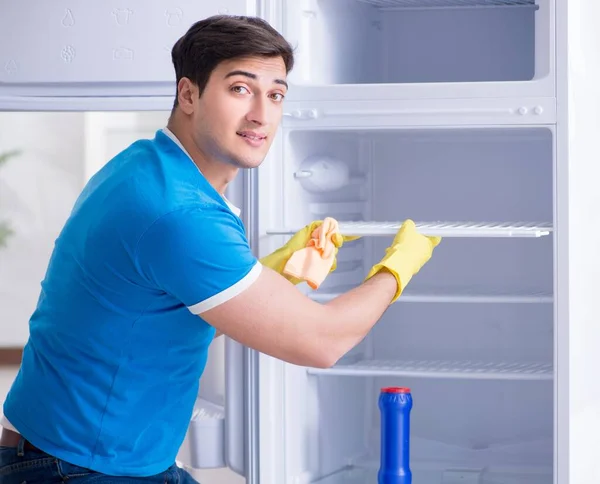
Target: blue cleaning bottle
(395, 404)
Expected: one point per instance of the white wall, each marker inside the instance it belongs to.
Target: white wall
(60, 151)
(37, 191)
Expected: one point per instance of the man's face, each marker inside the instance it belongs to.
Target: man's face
(237, 116)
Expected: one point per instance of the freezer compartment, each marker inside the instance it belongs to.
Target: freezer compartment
(410, 41)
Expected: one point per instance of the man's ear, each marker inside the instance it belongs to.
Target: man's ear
(187, 93)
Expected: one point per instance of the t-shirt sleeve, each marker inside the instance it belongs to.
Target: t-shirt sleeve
(199, 256)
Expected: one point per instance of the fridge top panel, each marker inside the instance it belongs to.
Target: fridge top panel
(95, 48)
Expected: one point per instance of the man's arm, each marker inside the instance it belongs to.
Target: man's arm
(200, 256)
(273, 317)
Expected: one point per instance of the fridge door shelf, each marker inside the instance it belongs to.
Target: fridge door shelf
(442, 229)
(441, 369)
(204, 445)
(457, 296)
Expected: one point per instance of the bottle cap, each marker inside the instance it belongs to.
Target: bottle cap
(395, 390)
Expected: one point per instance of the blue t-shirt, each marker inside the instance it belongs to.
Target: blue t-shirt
(111, 370)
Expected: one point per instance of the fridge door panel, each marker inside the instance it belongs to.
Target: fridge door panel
(242, 363)
(234, 397)
(81, 48)
(426, 112)
(230, 439)
(578, 304)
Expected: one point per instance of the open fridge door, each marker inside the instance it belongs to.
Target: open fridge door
(215, 442)
(224, 430)
(241, 363)
(109, 56)
(80, 55)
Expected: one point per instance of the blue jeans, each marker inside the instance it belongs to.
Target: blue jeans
(19, 466)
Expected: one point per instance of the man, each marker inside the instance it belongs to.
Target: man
(153, 261)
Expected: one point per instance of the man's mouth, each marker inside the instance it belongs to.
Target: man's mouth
(253, 139)
(251, 135)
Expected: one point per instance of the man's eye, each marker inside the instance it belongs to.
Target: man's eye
(239, 89)
(278, 96)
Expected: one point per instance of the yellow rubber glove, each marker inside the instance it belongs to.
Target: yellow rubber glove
(278, 259)
(407, 254)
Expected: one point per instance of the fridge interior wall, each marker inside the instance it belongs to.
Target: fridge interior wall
(404, 41)
(483, 394)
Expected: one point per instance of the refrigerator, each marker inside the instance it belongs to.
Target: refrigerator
(479, 120)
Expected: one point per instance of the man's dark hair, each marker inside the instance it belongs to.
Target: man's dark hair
(222, 37)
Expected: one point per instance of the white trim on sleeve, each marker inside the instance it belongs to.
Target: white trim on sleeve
(230, 292)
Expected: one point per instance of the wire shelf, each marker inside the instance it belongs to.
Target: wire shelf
(461, 295)
(442, 229)
(401, 4)
(442, 369)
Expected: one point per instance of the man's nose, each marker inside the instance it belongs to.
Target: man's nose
(258, 113)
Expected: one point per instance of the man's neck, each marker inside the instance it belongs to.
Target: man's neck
(218, 174)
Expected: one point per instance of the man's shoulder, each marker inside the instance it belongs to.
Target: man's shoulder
(199, 217)
(152, 184)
